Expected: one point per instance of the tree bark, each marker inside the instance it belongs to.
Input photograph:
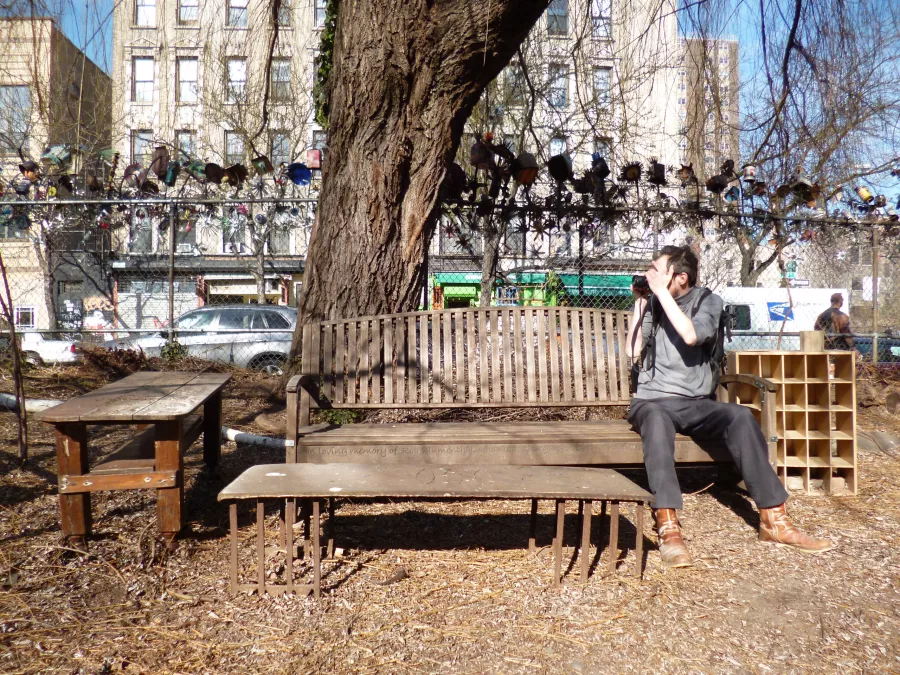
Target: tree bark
(405, 79)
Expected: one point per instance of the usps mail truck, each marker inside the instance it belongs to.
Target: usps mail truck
(772, 318)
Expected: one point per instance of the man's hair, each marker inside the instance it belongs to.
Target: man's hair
(682, 259)
(836, 297)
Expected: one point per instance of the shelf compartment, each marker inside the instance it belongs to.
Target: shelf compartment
(772, 367)
(817, 367)
(795, 366)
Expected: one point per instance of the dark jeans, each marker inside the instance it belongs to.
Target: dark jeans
(658, 420)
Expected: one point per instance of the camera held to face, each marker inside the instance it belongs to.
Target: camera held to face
(639, 281)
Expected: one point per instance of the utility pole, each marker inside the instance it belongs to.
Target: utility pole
(874, 294)
(172, 208)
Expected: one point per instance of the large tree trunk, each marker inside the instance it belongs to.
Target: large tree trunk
(406, 77)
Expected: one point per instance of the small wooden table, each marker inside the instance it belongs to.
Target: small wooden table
(162, 407)
(311, 483)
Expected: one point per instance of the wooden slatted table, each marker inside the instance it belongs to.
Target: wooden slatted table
(162, 405)
(311, 483)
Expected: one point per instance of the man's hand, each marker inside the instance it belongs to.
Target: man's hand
(659, 279)
(640, 292)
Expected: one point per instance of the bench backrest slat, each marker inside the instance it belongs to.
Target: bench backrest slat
(494, 357)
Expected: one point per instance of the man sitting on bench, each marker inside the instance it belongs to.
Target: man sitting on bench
(677, 327)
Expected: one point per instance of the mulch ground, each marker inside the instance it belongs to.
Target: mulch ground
(436, 587)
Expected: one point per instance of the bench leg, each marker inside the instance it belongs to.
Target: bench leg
(639, 545)
(72, 460)
(557, 540)
(169, 501)
(613, 536)
(329, 542)
(232, 518)
(212, 430)
(261, 547)
(305, 511)
(290, 510)
(316, 549)
(586, 508)
(532, 531)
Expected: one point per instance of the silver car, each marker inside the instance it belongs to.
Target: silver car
(248, 336)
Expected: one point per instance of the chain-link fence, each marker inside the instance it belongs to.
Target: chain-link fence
(213, 279)
(776, 276)
(219, 279)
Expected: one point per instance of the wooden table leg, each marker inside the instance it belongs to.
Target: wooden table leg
(557, 540)
(169, 501)
(212, 430)
(532, 531)
(613, 536)
(72, 460)
(639, 544)
(316, 548)
(233, 523)
(587, 513)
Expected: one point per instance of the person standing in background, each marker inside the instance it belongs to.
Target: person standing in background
(833, 321)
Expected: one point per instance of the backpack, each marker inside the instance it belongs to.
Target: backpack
(825, 321)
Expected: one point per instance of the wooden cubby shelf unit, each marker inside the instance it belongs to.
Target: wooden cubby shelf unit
(815, 414)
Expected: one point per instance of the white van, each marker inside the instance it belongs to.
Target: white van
(772, 318)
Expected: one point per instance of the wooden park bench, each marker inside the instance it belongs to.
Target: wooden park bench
(498, 357)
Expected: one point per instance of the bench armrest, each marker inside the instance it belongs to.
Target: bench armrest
(753, 380)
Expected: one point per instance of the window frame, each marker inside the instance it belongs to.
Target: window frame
(281, 89)
(285, 14)
(136, 17)
(135, 81)
(558, 18)
(234, 9)
(227, 155)
(16, 114)
(20, 309)
(603, 98)
(556, 73)
(136, 134)
(179, 95)
(193, 142)
(553, 140)
(195, 5)
(231, 96)
(319, 13)
(601, 19)
(285, 137)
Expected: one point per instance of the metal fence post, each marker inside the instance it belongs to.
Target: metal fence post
(171, 271)
(874, 294)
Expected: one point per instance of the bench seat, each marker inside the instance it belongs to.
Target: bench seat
(600, 442)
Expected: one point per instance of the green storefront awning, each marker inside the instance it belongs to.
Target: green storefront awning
(465, 284)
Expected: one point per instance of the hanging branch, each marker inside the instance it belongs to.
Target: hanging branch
(6, 304)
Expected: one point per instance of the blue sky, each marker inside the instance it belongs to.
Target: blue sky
(88, 24)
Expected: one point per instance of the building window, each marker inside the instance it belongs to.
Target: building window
(559, 85)
(601, 19)
(25, 317)
(237, 13)
(141, 146)
(557, 146)
(145, 13)
(515, 85)
(284, 13)
(234, 148)
(237, 80)
(318, 139)
(558, 17)
(188, 12)
(604, 147)
(184, 142)
(15, 119)
(602, 85)
(280, 152)
(187, 79)
(319, 17)
(142, 79)
(281, 79)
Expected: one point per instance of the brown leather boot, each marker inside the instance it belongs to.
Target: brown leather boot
(672, 549)
(776, 528)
